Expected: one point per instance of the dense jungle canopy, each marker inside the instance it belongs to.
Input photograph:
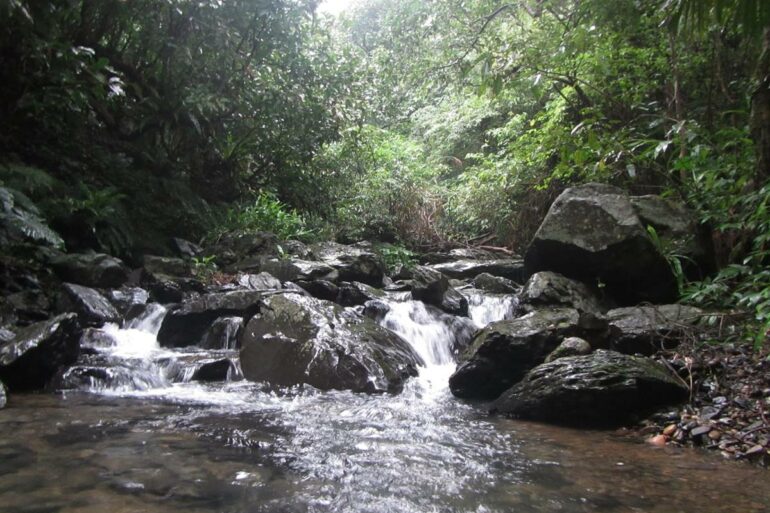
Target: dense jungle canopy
(423, 123)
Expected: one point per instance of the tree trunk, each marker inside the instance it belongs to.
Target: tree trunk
(760, 112)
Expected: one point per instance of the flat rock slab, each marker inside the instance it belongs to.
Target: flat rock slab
(604, 388)
(88, 303)
(466, 269)
(647, 329)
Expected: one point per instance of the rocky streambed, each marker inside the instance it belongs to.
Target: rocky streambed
(309, 378)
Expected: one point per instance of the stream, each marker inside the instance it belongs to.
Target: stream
(152, 440)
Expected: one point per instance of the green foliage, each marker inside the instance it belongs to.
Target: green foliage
(18, 214)
(266, 214)
(204, 267)
(395, 255)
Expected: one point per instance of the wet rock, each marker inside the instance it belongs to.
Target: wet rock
(167, 289)
(168, 266)
(217, 370)
(547, 288)
(503, 352)
(432, 287)
(223, 333)
(646, 329)
(91, 269)
(495, 284)
(261, 281)
(296, 340)
(92, 308)
(127, 298)
(509, 268)
(402, 272)
(38, 351)
(593, 234)
(30, 306)
(604, 388)
(297, 249)
(355, 293)
(185, 248)
(376, 309)
(320, 289)
(678, 229)
(570, 346)
(186, 325)
(3, 398)
(295, 270)
(246, 244)
(352, 263)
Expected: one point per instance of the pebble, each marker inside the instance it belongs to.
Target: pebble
(715, 435)
(700, 430)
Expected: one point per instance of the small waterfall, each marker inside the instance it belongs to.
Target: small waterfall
(426, 331)
(484, 308)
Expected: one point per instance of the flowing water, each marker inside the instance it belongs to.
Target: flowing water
(139, 435)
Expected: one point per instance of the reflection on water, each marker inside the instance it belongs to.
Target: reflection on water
(180, 446)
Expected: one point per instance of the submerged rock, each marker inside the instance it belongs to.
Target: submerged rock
(593, 234)
(547, 288)
(604, 388)
(37, 352)
(187, 324)
(503, 352)
(647, 329)
(433, 288)
(89, 304)
(91, 269)
(301, 340)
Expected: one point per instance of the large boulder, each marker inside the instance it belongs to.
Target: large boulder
(302, 340)
(352, 263)
(465, 269)
(89, 304)
(647, 329)
(679, 232)
(187, 324)
(356, 293)
(593, 234)
(39, 351)
(432, 287)
(604, 388)
(503, 352)
(126, 299)
(547, 288)
(495, 284)
(91, 269)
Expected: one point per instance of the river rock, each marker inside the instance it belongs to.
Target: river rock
(261, 281)
(91, 269)
(593, 234)
(570, 346)
(294, 269)
(92, 308)
(432, 287)
(352, 263)
(186, 325)
(647, 329)
(356, 293)
(547, 288)
(38, 351)
(167, 289)
(376, 309)
(223, 333)
(604, 388)
(125, 299)
(216, 370)
(30, 306)
(302, 340)
(168, 266)
(509, 268)
(495, 284)
(503, 352)
(320, 289)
